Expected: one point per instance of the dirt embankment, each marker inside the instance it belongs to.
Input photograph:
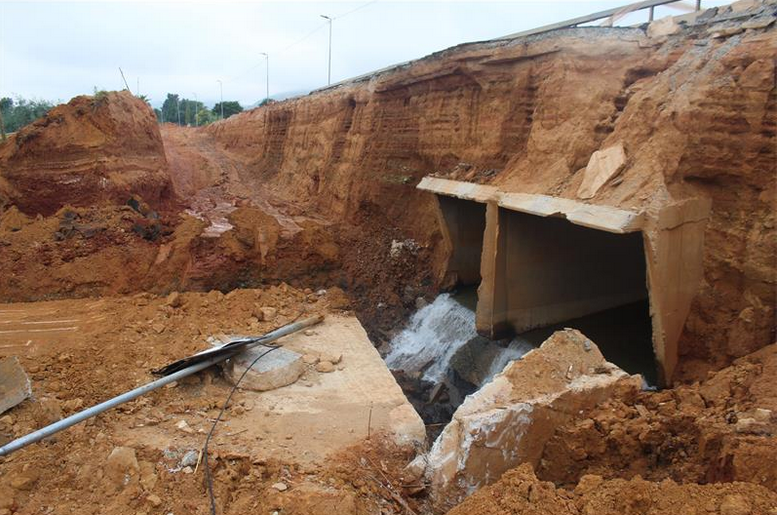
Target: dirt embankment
(90, 151)
(703, 448)
(694, 110)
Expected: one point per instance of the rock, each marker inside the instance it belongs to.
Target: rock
(154, 500)
(281, 487)
(189, 459)
(173, 300)
(158, 327)
(603, 165)
(325, 367)
(47, 412)
(735, 505)
(187, 470)
(509, 420)
(121, 466)
(309, 332)
(421, 302)
(274, 370)
(183, 426)
(332, 357)
(663, 27)
(23, 481)
(14, 384)
(758, 23)
(148, 475)
(265, 313)
(310, 359)
(73, 404)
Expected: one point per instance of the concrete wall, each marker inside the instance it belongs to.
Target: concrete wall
(549, 259)
(548, 270)
(463, 226)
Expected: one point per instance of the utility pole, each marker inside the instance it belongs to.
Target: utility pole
(221, 97)
(267, 77)
(329, 52)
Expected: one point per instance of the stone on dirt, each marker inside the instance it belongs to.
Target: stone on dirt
(509, 420)
(325, 367)
(121, 466)
(14, 383)
(603, 165)
(278, 368)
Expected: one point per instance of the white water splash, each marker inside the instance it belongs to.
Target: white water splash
(516, 349)
(433, 335)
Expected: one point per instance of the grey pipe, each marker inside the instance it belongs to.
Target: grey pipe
(74, 419)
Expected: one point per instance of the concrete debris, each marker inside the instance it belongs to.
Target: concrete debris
(14, 384)
(663, 27)
(508, 421)
(603, 165)
(278, 368)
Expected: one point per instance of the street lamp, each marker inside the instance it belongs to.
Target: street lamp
(329, 53)
(267, 77)
(221, 97)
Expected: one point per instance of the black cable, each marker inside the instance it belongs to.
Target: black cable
(208, 478)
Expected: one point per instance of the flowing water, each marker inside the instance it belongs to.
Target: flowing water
(432, 336)
(436, 332)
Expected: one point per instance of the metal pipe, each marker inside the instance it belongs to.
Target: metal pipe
(74, 419)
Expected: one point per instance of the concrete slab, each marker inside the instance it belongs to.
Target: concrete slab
(318, 416)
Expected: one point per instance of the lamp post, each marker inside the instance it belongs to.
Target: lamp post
(329, 52)
(221, 97)
(267, 77)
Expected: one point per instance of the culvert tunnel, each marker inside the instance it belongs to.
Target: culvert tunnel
(544, 263)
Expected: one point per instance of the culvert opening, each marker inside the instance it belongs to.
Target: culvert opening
(541, 274)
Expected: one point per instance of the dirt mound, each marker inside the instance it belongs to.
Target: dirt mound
(519, 491)
(92, 150)
(720, 430)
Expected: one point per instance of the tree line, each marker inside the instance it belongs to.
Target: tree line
(18, 112)
(184, 111)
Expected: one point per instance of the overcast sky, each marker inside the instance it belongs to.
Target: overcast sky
(58, 50)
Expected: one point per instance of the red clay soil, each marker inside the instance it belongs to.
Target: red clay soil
(90, 151)
(520, 492)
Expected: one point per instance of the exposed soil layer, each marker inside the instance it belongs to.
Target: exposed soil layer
(90, 151)
(520, 491)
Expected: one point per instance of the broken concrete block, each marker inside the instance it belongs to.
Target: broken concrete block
(274, 370)
(663, 27)
(509, 420)
(603, 165)
(14, 383)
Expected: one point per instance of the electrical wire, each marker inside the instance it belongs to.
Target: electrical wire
(208, 477)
